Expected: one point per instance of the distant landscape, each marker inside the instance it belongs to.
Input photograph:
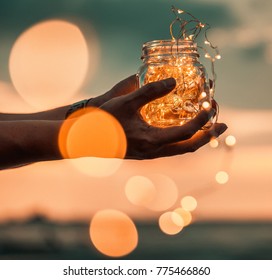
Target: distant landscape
(41, 239)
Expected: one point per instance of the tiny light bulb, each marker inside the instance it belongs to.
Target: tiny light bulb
(206, 42)
(218, 56)
(230, 140)
(214, 143)
(180, 11)
(207, 55)
(222, 177)
(203, 94)
(206, 105)
(202, 25)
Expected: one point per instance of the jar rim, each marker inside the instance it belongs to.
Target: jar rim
(169, 46)
(164, 42)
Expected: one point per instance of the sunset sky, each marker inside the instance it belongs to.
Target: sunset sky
(103, 39)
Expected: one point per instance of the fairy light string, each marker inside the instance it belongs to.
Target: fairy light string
(189, 32)
(178, 58)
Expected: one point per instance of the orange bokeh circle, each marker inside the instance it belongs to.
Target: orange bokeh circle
(49, 63)
(92, 132)
(113, 233)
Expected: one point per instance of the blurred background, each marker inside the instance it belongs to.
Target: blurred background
(212, 204)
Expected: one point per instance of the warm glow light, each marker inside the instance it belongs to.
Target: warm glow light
(95, 133)
(185, 215)
(218, 56)
(166, 192)
(170, 223)
(49, 62)
(230, 140)
(189, 203)
(140, 190)
(206, 105)
(214, 143)
(113, 233)
(203, 95)
(221, 177)
(97, 167)
(182, 103)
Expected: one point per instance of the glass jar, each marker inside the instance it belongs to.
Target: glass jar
(178, 59)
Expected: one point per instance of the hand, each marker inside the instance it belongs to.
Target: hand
(145, 141)
(124, 87)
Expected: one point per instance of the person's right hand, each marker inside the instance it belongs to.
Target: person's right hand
(145, 141)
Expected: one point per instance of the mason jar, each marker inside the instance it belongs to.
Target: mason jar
(178, 59)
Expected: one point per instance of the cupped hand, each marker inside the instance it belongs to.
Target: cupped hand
(145, 141)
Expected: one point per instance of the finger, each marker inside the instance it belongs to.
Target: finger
(126, 86)
(151, 92)
(172, 134)
(191, 145)
(211, 83)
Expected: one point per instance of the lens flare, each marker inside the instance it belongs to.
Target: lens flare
(230, 140)
(222, 177)
(113, 233)
(49, 62)
(166, 192)
(140, 190)
(185, 215)
(92, 133)
(189, 203)
(170, 223)
(214, 143)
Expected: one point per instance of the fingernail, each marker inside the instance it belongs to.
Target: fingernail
(169, 83)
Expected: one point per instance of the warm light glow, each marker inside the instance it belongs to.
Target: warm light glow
(140, 190)
(49, 62)
(203, 95)
(170, 223)
(230, 140)
(97, 167)
(221, 177)
(182, 103)
(214, 143)
(189, 203)
(95, 133)
(166, 192)
(218, 56)
(206, 105)
(185, 215)
(113, 233)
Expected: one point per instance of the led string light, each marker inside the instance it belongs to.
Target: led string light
(178, 58)
(192, 34)
(189, 202)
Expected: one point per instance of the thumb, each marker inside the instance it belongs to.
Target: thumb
(152, 91)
